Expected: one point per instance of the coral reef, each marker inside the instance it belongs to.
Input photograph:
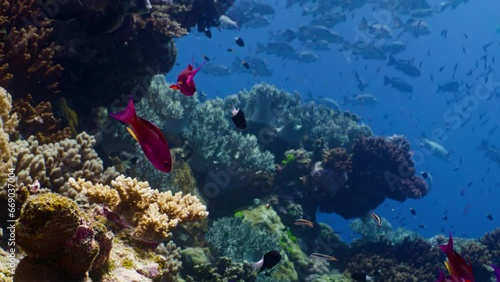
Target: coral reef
(381, 167)
(370, 232)
(224, 270)
(8, 124)
(53, 227)
(27, 50)
(39, 121)
(152, 214)
(234, 238)
(54, 163)
(63, 45)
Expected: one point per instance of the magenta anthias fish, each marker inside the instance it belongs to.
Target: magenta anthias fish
(497, 272)
(459, 269)
(185, 80)
(149, 136)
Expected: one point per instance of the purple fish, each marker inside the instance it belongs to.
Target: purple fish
(185, 80)
(497, 272)
(149, 136)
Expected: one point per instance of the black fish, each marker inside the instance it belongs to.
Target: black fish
(245, 64)
(269, 260)
(207, 32)
(413, 212)
(489, 216)
(239, 41)
(359, 276)
(239, 119)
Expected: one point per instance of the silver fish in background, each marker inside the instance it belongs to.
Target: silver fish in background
(436, 149)
(364, 99)
(398, 83)
(405, 66)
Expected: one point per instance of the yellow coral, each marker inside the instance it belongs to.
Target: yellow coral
(154, 214)
(98, 193)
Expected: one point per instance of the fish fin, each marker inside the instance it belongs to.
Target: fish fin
(128, 115)
(258, 265)
(447, 265)
(190, 67)
(191, 77)
(154, 128)
(131, 131)
(175, 86)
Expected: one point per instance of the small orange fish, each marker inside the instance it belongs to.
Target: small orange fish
(322, 256)
(304, 222)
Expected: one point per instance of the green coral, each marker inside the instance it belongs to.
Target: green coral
(239, 214)
(370, 232)
(289, 158)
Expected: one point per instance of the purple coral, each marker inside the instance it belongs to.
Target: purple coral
(381, 167)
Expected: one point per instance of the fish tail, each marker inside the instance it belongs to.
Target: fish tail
(128, 115)
(448, 248)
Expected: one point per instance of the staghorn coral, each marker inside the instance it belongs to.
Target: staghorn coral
(54, 163)
(53, 227)
(152, 214)
(8, 124)
(39, 121)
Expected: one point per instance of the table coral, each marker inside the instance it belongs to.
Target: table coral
(152, 214)
(53, 227)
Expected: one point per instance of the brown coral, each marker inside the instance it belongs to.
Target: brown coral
(8, 124)
(39, 121)
(27, 51)
(337, 159)
(54, 163)
(153, 214)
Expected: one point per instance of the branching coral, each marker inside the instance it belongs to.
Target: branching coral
(27, 52)
(54, 163)
(39, 121)
(223, 270)
(153, 214)
(8, 123)
(218, 144)
(232, 237)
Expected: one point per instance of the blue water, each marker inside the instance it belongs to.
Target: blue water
(424, 113)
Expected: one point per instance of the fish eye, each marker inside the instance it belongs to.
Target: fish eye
(165, 163)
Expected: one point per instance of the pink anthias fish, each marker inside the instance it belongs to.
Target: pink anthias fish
(149, 136)
(459, 269)
(185, 80)
(496, 269)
